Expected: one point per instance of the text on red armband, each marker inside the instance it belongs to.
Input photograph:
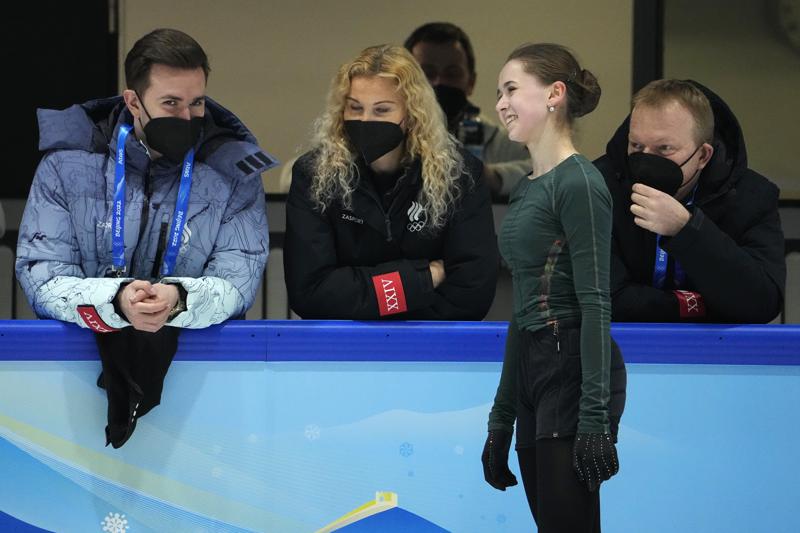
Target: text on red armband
(92, 319)
(390, 294)
(691, 304)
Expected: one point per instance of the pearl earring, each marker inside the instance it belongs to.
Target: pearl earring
(551, 108)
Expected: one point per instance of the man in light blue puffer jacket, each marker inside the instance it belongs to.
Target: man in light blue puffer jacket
(147, 210)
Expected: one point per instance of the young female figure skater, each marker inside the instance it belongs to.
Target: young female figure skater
(563, 376)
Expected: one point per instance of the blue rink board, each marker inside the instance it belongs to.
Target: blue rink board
(292, 445)
(338, 340)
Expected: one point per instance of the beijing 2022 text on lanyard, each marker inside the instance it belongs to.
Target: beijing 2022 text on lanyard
(178, 217)
(662, 260)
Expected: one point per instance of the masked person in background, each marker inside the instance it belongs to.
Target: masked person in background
(697, 235)
(445, 53)
(387, 217)
(146, 211)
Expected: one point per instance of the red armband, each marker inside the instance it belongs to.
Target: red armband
(92, 319)
(691, 304)
(390, 294)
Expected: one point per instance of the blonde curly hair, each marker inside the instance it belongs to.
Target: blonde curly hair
(335, 170)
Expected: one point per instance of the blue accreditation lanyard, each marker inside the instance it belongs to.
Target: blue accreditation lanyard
(660, 268)
(662, 261)
(118, 217)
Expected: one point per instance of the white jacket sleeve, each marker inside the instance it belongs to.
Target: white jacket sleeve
(209, 301)
(70, 299)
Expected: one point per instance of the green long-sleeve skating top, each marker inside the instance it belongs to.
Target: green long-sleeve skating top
(556, 239)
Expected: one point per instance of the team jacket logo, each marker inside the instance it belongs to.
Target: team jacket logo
(416, 217)
(390, 294)
(350, 218)
(186, 236)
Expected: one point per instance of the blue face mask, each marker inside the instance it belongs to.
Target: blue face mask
(172, 136)
(373, 138)
(657, 172)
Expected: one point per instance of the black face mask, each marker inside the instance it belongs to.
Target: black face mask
(172, 136)
(657, 172)
(373, 138)
(452, 100)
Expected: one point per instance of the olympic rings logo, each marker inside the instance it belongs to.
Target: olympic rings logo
(416, 225)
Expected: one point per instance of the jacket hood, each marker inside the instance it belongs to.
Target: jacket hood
(226, 145)
(730, 152)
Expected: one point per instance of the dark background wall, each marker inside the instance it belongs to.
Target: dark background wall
(56, 54)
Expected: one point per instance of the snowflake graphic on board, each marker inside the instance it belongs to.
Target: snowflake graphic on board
(115, 523)
(312, 432)
(406, 449)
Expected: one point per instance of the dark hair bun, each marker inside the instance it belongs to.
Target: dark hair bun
(550, 63)
(586, 94)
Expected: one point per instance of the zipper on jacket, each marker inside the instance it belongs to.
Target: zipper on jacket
(388, 228)
(388, 213)
(162, 244)
(558, 339)
(143, 219)
(373, 195)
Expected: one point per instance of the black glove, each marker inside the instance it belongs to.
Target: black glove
(495, 460)
(594, 458)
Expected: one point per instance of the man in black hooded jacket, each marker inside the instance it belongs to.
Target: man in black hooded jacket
(696, 233)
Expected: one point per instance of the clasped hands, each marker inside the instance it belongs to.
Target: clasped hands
(147, 305)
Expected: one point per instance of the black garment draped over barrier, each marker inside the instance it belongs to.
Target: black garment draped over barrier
(135, 364)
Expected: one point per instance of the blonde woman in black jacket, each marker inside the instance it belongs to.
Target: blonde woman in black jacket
(387, 216)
